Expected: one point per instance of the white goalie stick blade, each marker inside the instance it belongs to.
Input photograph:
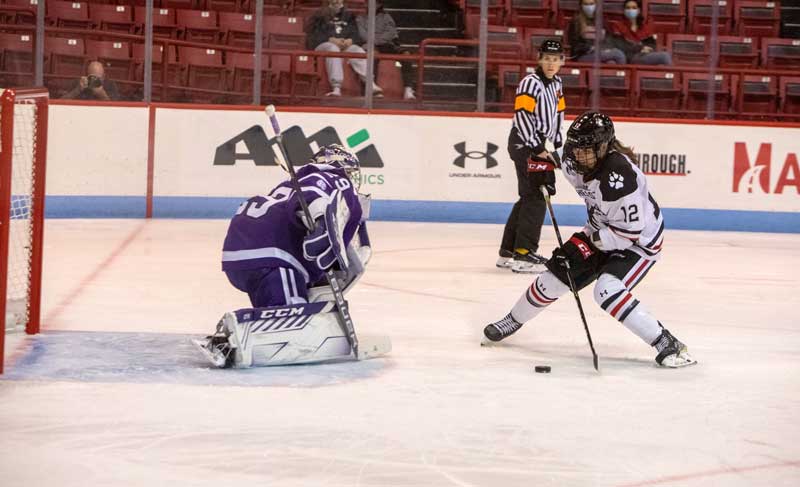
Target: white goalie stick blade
(682, 359)
(373, 346)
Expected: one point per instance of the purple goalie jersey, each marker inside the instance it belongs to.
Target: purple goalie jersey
(267, 230)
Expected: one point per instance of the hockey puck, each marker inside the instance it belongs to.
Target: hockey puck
(542, 369)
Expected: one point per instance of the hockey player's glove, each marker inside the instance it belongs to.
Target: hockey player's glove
(545, 170)
(318, 248)
(578, 257)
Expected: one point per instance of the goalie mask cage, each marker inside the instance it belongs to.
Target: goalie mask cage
(23, 153)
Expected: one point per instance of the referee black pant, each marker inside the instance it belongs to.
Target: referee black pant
(524, 225)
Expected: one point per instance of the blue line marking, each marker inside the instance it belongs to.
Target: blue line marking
(417, 211)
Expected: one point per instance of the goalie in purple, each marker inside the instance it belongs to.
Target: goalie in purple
(268, 252)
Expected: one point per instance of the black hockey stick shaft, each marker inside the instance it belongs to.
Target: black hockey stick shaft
(343, 311)
(569, 276)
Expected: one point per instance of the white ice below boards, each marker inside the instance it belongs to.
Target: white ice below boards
(439, 410)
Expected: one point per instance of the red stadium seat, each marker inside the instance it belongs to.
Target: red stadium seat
(509, 77)
(286, 41)
(239, 29)
(67, 55)
(531, 13)
(204, 68)
(566, 10)
(757, 18)
(658, 90)
(689, 49)
(758, 95)
(615, 89)
(283, 24)
(117, 18)
(179, 4)
(115, 56)
(174, 70)
(472, 11)
(224, 5)
(199, 25)
(696, 92)
(790, 95)
(700, 16)
(506, 36)
(69, 14)
(306, 80)
(17, 58)
(164, 21)
(780, 53)
(241, 68)
(534, 38)
(576, 88)
(613, 11)
(737, 52)
(17, 16)
(390, 79)
(667, 16)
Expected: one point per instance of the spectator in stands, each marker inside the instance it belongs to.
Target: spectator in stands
(582, 35)
(387, 41)
(94, 86)
(333, 28)
(635, 37)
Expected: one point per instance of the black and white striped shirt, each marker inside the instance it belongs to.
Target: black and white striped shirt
(539, 110)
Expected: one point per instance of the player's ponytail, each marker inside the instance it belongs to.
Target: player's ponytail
(618, 146)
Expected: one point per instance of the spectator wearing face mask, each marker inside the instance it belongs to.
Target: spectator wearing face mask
(635, 37)
(582, 34)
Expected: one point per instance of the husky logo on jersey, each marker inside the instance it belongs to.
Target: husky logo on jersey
(461, 160)
(615, 180)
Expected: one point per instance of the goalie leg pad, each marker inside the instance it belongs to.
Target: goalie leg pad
(285, 335)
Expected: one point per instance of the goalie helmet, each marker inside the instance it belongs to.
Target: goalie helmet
(591, 130)
(337, 156)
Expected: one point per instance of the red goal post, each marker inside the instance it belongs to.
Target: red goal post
(23, 157)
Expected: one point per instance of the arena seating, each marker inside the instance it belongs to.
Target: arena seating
(748, 39)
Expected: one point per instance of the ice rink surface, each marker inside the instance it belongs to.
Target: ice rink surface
(111, 395)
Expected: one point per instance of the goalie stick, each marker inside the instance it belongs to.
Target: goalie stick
(569, 275)
(343, 311)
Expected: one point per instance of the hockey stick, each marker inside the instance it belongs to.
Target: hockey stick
(343, 312)
(569, 275)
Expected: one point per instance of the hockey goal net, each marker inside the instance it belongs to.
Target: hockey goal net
(23, 154)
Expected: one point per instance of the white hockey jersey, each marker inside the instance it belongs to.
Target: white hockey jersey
(620, 207)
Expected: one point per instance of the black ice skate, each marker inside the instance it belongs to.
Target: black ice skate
(494, 332)
(530, 263)
(671, 352)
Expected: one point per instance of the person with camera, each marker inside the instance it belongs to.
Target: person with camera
(94, 86)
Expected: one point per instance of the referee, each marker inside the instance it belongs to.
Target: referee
(538, 117)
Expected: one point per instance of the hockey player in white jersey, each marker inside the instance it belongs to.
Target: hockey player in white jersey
(618, 246)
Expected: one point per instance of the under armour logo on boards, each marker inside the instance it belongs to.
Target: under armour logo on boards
(461, 160)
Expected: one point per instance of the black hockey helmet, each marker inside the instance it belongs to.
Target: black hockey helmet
(591, 130)
(551, 46)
